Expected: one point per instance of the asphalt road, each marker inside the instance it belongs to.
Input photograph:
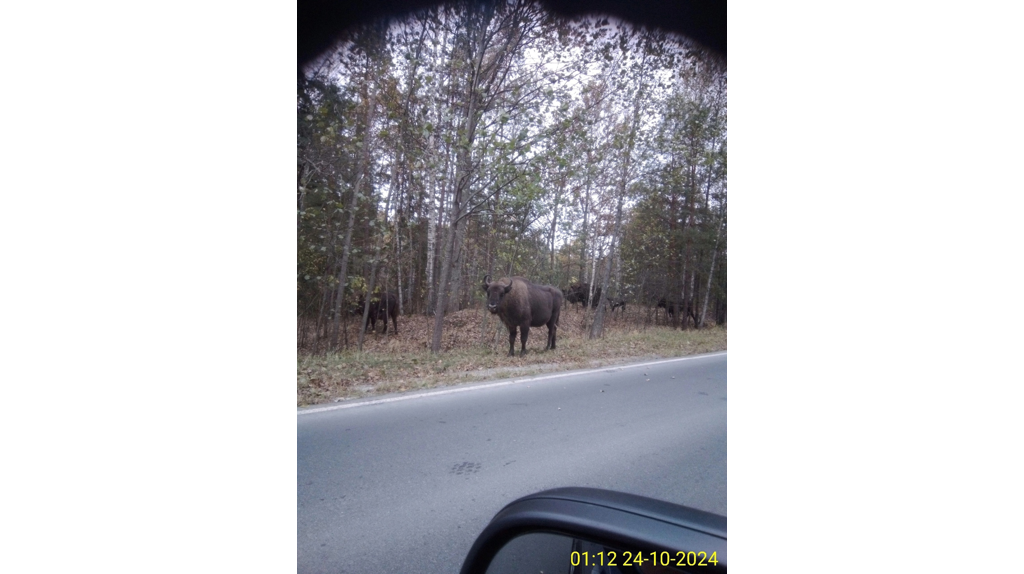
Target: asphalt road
(406, 485)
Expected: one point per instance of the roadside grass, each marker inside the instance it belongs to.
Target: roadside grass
(475, 348)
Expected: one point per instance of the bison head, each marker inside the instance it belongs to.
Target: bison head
(495, 292)
(356, 308)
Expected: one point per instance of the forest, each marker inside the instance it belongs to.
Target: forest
(492, 138)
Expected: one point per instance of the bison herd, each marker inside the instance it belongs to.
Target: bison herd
(520, 304)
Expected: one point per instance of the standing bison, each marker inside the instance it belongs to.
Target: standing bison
(521, 304)
(381, 307)
(673, 306)
(580, 293)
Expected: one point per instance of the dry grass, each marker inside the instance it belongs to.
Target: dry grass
(475, 348)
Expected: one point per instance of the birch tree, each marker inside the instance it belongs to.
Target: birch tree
(491, 38)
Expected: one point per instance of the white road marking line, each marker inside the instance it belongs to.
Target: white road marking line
(449, 391)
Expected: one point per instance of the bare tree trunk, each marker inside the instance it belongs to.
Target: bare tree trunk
(597, 328)
(398, 265)
(432, 211)
(367, 302)
(442, 292)
(431, 241)
(707, 292)
(591, 279)
(357, 190)
(376, 261)
(403, 150)
(554, 223)
(680, 296)
(447, 258)
(617, 285)
(324, 327)
(458, 261)
(475, 48)
(303, 175)
(413, 274)
(343, 272)
(586, 221)
(688, 304)
(690, 221)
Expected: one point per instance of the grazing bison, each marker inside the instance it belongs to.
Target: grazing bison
(521, 304)
(381, 307)
(616, 303)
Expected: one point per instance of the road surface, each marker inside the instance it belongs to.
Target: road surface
(406, 485)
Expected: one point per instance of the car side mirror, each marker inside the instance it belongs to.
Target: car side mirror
(584, 530)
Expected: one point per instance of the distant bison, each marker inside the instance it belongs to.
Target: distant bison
(574, 294)
(580, 293)
(616, 303)
(522, 304)
(672, 306)
(381, 307)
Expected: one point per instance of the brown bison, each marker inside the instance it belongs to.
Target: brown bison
(580, 293)
(521, 304)
(381, 307)
(574, 294)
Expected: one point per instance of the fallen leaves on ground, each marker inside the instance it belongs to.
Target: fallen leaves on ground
(475, 347)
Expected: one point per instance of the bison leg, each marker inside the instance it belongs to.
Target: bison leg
(394, 321)
(552, 327)
(525, 329)
(511, 341)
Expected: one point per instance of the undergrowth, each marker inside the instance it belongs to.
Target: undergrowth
(475, 348)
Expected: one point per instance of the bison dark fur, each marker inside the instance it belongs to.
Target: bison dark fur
(580, 293)
(521, 304)
(381, 307)
(672, 306)
(386, 306)
(577, 293)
